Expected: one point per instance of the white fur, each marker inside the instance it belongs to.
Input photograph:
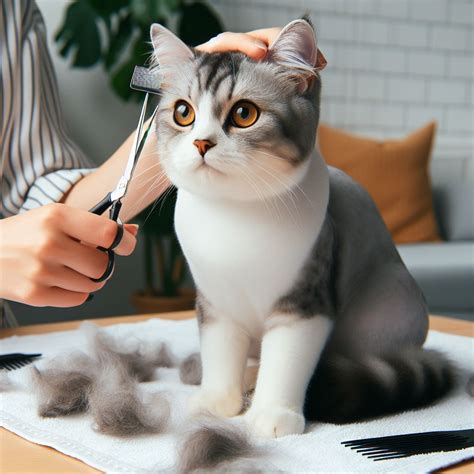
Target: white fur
(244, 256)
(289, 356)
(243, 259)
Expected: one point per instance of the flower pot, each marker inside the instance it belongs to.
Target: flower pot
(149, 303)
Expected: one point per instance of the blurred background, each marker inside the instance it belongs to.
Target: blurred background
(393, 66)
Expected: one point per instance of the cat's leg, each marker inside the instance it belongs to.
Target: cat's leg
(291, 348)
(224, 349)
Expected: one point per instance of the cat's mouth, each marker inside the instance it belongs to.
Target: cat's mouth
(207, 168)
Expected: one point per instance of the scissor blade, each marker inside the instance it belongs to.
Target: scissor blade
(135, 152)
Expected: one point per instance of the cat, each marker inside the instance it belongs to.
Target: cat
(291, 259)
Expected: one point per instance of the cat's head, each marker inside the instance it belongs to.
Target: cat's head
(232, 127)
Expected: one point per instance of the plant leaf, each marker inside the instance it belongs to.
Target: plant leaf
(79, 34)
(118, 40)
(120, 79)
(198, 14)
(107, 8)
(147, 12)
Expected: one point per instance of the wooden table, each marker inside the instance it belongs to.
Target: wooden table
(19, 455)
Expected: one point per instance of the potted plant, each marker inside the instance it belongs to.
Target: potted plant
(115, 34)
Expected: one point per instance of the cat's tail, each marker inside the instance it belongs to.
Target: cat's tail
(344, 390)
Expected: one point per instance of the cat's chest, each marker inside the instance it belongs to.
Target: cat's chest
(244, 257)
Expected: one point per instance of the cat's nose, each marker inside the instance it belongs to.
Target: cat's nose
(203, 146)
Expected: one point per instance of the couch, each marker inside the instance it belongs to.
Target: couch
(445, 270)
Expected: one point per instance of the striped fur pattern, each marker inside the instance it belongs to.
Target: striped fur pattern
(292, 260)
(346, 390)
(211, 84)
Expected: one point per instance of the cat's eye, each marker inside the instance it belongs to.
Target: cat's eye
(244, 114)
(183, 113)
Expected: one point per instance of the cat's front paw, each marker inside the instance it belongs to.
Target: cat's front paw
(273, 422)
(224, 404)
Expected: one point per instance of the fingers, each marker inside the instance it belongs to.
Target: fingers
(87, 261)
(98, 231)
(266, 35)
(132, 228)
(59, 298)
(253, 47)
(68, 279)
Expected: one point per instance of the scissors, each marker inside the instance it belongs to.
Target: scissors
(142, 80)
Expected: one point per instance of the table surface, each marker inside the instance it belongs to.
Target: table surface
(20, 455)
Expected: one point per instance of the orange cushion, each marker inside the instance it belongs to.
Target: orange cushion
(394, 172)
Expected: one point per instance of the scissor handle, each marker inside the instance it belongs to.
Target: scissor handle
(114, 211)
(103, 205)
(110, 266)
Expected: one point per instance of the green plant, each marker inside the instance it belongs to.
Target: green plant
(115, 34)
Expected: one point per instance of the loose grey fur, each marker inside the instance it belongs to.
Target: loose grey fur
(141, 362)
(217, 446)
(354, 275)
(63, 386)
(107, 385)
(190, 369)
(165, 358)
(118, 406)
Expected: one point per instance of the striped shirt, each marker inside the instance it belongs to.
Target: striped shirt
(39, 161)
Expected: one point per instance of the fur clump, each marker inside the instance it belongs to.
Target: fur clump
(63, 386)
(140, 362)
(165, 358)
(118, 407)
(190, 369)
(216, 446)
(106, 385)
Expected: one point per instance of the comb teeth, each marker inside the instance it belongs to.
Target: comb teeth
(16, 361)
(400, 446)
(145, 80)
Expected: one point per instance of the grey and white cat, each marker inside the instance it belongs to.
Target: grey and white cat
(292, 261)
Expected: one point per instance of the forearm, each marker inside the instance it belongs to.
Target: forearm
(147, 184)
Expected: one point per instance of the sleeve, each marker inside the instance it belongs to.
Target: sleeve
(40, 162)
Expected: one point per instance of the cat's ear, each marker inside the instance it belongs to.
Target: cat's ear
(168, 49)
(295, 48)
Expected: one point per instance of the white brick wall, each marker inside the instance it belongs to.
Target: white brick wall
(393, 64)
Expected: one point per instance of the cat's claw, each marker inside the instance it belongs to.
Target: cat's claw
(224, 404)
(273, 422)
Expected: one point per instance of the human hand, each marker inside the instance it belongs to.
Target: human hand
(254, 43)
(48, 255)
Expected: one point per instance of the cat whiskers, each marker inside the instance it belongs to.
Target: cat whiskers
(161, 198)
(288, 192)
(158, 181)
(300, 189)
(269, 186)
(254, 185)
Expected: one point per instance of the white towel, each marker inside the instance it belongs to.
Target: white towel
(318, 450)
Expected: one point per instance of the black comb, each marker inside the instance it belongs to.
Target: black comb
(402, 446)
(16, 360)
